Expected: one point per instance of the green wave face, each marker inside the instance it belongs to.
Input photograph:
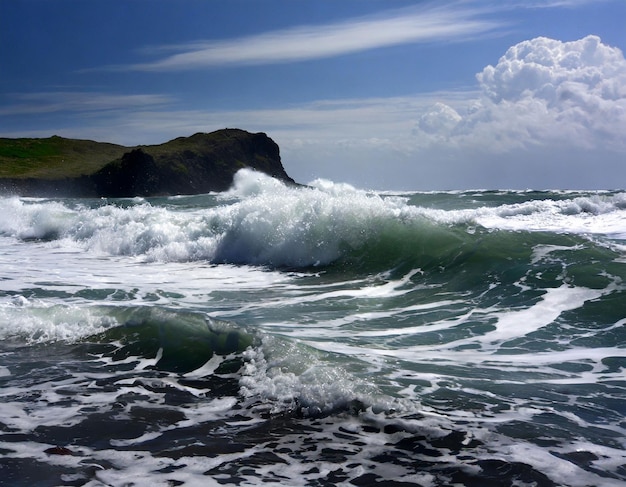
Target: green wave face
(177, 342)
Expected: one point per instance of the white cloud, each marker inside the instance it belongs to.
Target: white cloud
(65, 101)
(440, 120)
(321, 41)
(553, 3)
(550, 69)
(546, 92)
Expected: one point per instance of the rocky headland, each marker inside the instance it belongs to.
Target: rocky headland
(204, 162)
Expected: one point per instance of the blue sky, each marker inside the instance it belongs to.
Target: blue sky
(391, 94)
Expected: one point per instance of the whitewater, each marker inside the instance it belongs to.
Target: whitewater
(314, 335)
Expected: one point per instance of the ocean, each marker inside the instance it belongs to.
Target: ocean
(314, 336)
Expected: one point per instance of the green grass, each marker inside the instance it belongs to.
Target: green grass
(54, 157)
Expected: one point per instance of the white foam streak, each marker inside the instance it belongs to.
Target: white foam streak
(389, 289)
(512, 324)
(509, 324)
(426, 328)
(334, 328)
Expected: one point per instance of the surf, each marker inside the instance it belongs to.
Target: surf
(263, 222)
(324, 333)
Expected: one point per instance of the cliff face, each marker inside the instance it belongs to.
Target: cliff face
(187, 165)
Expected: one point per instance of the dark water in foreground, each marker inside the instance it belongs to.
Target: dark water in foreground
(314, 336)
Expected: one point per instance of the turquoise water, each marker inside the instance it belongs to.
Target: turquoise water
(320, 335)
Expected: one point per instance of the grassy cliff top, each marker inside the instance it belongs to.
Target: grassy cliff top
(58, 158)
(54, 157)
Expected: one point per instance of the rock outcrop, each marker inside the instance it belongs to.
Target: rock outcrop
(186, 165)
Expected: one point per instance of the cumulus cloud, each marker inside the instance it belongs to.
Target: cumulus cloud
(543, 91)
(555, 71)
(439, 119)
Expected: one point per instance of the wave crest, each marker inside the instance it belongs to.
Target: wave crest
(261, 221)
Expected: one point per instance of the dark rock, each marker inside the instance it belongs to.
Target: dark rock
(135, 174)
(58, 450)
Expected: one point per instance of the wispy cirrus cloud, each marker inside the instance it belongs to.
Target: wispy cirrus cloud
(450, 22)
(73, 101)
(554, 3)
